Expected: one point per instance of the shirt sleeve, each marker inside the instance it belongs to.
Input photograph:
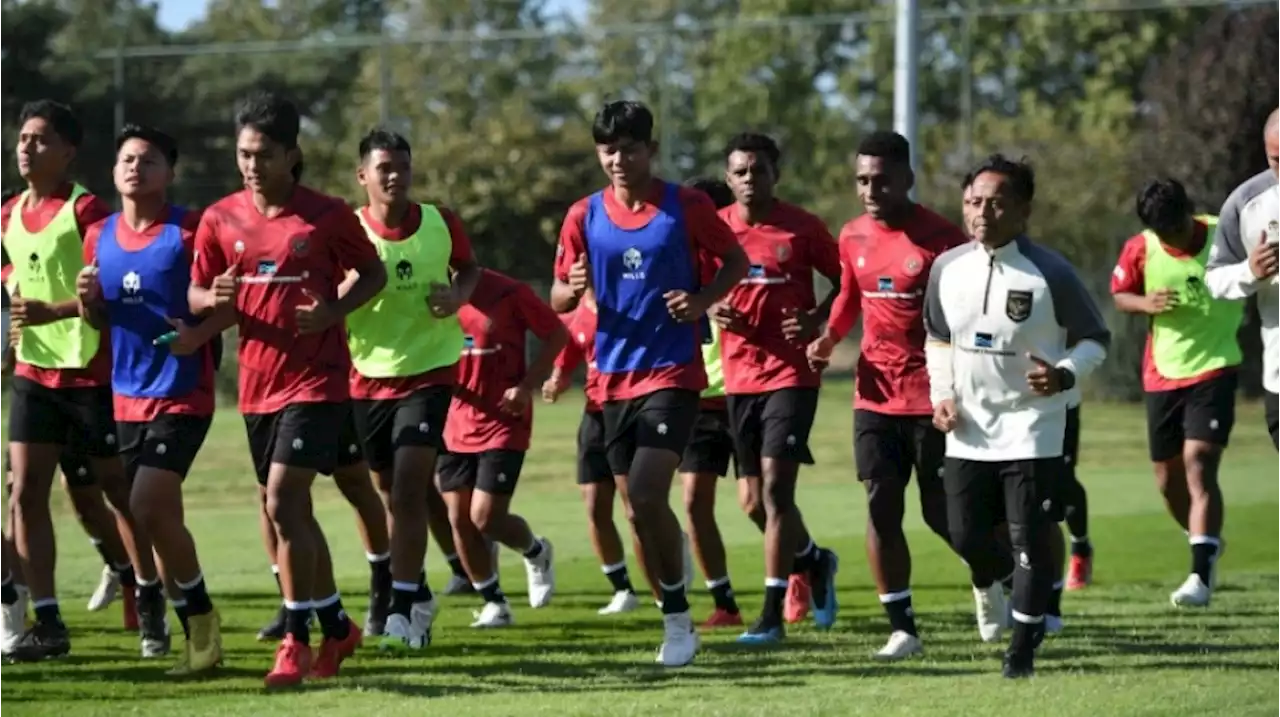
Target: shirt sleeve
(461, 253)
(1128, 277)
(935, 314)
(6, 211)
(190, 224)
(824, 251)
(208, 261)
(90, 210)
(706, 229)
(1088, 337)
(347, 241)
(573, 239)
(89, 249)
(572, 354)
(538, 317)
(848, 303)
(1227, 273)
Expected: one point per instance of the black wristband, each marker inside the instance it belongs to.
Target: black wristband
(1066, 379)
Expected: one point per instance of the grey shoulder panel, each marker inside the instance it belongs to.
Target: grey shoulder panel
(1228, 245)
(935, 317)
(1075, 309)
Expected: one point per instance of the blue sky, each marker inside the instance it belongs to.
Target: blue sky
(177, 14)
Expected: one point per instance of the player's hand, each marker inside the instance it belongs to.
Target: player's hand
(316, 315)
(579, 276)
(1160, 301)
(515, 401)
(1264, 260)
(25, 313)
(555, 385)
(728, 318)
(819, 352)
(182, 341)
(224, 287)
(799, 325)
(443, 300)
(88, 287)
(945, 415)
(1043, 378)
(685, 307)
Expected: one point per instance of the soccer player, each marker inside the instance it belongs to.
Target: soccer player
(1189, 367)
(1010, 327)
(487, 436)
(772, 390)
(404, 348)
(277, 252)
(61, 394)
(135, 284)
(637, 243)
(885, 257)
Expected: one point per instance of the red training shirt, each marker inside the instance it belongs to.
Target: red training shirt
(883, 276)
(784, 250)
(89, 210)
(1129, 277)
(495, 323)
(200, 401)
(705, 232)
(581, 325)
(310, 244)
(388, 389)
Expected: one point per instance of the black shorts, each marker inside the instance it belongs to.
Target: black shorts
(772, 425)
(1070, 456)
(38, 414)
(663, 419)
(1205, 411)
(1271, 405)
(73, 462)
(495, 471)
(302, 435)
(711, 445)
(887, 448)
(982, 494)
(593, 459)
(414, 420)
(168, 442)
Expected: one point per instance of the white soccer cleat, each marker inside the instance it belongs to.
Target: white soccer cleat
(688, 559)
(900, 646)
(422, 615)
(541, 574)
(13, 621)
(158, 644)
(105, 594)
(1193, 593)
(680, 640)
(992, 610)
(1053, 624)
(493, 614)
(458, 586)
(406, 634)
(623, 601)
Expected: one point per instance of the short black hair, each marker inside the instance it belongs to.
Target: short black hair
(719, 192)
(889, 146)
(623, 118)
(152, 136)
(1021, 176)
(272, 115)
(58, 115)
(1163, 206)
(756, 143)
(385, 140)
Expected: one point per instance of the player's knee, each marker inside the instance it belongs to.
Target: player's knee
(885, 507)
(779, 496)
(287, 513)
(968, 542)
(699, 505)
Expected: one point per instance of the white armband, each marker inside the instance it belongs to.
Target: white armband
(1083, 359)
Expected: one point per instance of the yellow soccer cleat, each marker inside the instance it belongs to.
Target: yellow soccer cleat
(183, 666)
(204, 649)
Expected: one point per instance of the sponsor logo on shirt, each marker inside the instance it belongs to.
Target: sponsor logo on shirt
(984, 343)
(756, 274)
(632, 261)
(267, 274)
(884, 283)
(885, 290)
(132, 285)
(469, 347)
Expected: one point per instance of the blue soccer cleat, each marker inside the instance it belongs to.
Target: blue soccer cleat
(824, 612)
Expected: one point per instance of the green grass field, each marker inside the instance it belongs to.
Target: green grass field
(1125, 650)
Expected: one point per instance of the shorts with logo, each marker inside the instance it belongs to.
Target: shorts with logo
(302, 435)
(168, 442)
(416, 420)
(73, 462)
(663, 419)
(495, 471)
(82, 420)
(593, 459)
(711, 445)
(1271, 405)
(772, 425)
(1205, 411)
(887, 448)
(982, 494)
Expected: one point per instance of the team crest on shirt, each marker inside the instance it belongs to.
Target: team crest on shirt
(1017, 305)
(300, 246)
(912, 266)
(404, 270)
(782, 251)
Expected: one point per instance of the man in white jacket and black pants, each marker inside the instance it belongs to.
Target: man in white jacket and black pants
(1010, 328)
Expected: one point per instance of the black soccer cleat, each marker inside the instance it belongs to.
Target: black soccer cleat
(1019, 664)
(274, 630)
(42, 641)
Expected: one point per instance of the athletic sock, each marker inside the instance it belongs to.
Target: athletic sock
(102, 552)
(722, 593)
(8, 591)
(455, 564)
(127, 577)
(490, 590)
(533, 552)
(901, 616)
(275, 573)
(618, 577)
(47, 612)
(424, 590)
(1204, 551)
(333, 619)
(297, 619)
(775, 591)
(196, 596)
(806, 558)
(1055, 600)
(403, 595)
(150, 593)
(180, 609)
(1081, 547)
(379, 574)
(674, 600)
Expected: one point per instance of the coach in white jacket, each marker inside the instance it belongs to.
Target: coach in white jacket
(1010, 328)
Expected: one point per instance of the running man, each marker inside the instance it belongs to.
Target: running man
(637, 244)
(885, 257)
(772, 390)
(487, 436)
(1190, 368)
(276, 252)
(404, 350)
(135, 285)
(1010, 327)
(61, 403)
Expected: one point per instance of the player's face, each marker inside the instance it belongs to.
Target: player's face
(751, 177)
(265, 165)
(993, 214)
(1272, 144)
(628, 162)
(883, 187)
(386, 175)
(42, 153)
(141, 169)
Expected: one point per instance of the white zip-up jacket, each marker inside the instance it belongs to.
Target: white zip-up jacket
(984, 312)
(1251, 212)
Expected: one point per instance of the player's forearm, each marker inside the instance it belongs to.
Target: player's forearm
(543, 365)
(465, 280)
(200, 300)
(1130, 303)
(63, 310)
(1084, 358)
(733, 269)
(348, 281)
(938, 358)
(563, 300)
(844, 314)
(1232, 281)
(93, 314)
(369, 281)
